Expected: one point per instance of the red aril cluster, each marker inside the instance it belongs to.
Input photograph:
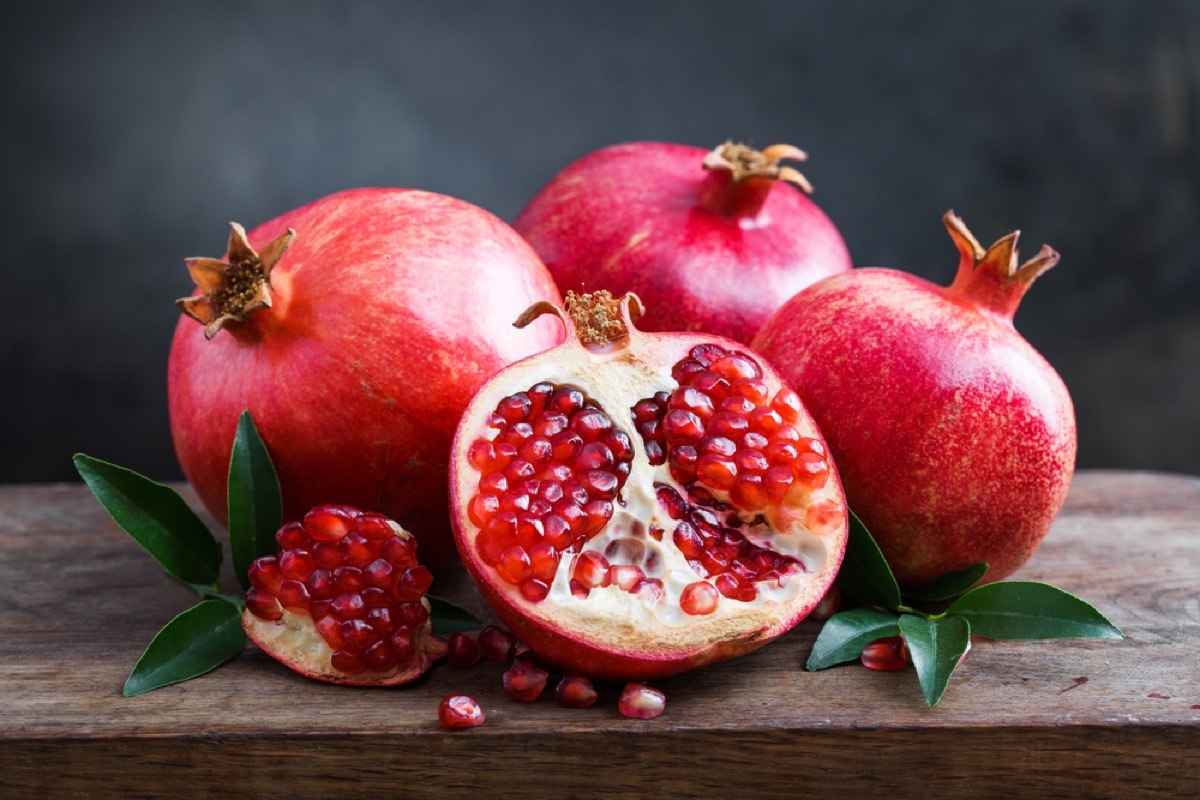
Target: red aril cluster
(344, 599)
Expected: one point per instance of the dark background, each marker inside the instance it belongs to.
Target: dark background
(133, 132)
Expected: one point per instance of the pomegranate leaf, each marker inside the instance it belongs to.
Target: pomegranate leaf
(255, 508)
(157, 518)
(200, 639)
(844, 635)
(865, 574)
(445, 617)
(1028, 610)
(936, 645)
(948, 585)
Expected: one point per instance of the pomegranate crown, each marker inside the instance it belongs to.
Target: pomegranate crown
(596, 319)
(231, 289)
(745, 163)
(991, 277)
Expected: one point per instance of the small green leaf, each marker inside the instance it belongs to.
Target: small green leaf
(157, 518)
(446, 617)
(865, 575)
(948, 585)
(936, 647)
(253, 497)
(1027, 610)
(843, 636)
(200, 639)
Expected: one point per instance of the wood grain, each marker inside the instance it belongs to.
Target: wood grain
(79, 601)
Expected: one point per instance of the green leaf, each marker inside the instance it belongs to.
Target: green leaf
(844, 636)
(200, 639)
(255, 509)
(157, 518)
(865, 575)
(446, 617)
(949, 585)
(936, 646)
(1027, 610)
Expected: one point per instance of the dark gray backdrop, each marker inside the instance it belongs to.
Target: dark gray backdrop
(132, 132)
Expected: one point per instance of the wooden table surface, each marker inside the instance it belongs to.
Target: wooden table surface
(79, 600)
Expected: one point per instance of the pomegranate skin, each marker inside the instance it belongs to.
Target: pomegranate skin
(389, 310)
(704, 251)
(954, 437)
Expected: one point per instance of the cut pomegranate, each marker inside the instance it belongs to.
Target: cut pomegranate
(355, 612)
(460, 711)
(641, 702)
(575, 691)
(640, 504)
(885, 655)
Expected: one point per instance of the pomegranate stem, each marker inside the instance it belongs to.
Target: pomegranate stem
(740, 177)
(990, 279)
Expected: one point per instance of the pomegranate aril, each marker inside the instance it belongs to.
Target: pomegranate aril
(752, 389)
(481, 454)
(490, 546)
(382, 620)
(379, 572)
(264, 573)
(624, 576)
(824, 516)
(711, 384)
(493, 483)
(706, 353)
(460, 711)
(787, 403)
(737, 406)
(293, 595)
(699, 598)
(557, 533)
(728, 425)
(514, 408)
(687, 398)
(811, 470)
(598, 513)
(503, 526)
(530, 530)
(263, 604)
(518, 469)
(349, 606)
(718, 472)
(373, 527)
(497, 643)
(641, 702)
(574, 492)
(376, 597)
(777, 482)
(534, 590)
(413, 583)
(590, 424)
(319, 609)
(536, 450)
(539, 396)
(648, 590)
(595, 456)
(328, 523)
(349, 579)
(670, 501)
(412, 615)
(750, 461)
(330, 628)
(575, 691)
(591, 570)
(736, 366)
(543, 562)
(292, 535)
(462, 650)
(327, 555)
(886, 655)
(748, 492)
(346, 661)
(683, 463)
(402, 644)
(680, 425)
(688, 541)
(717, 446)
(381, 656)
(357, 636)
(524, 681)
(513, 565)
(399, 552)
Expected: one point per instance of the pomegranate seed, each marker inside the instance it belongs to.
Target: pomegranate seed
(320, 609)
(738, 407)
(539, 397)
(412, 615)
(781, 453)
(460, 711)
(765, 420)
(728, 584)
(550, 423)
(402, 643)
(736, 366)
(263, 604)
(379, 573)
(681, 425)
(886, 655)
(595, 456)
(641, 702)
(293, 595)
(578, 590)
(575, 691)
(567, 399)
(518, 469)
(625, 576)
(599, 484)
(671, 502)
(481, 454)
(462, 650)
(748, 492)
(373, 527)
(787, 403)
(689, 399)
(349, 606)
(534, 590)
(591, 570)
(357, 636)
(777, 482)
(557, 532)
(382, 656)
(711, 384)
(413, 583)
(348, 662)
(688, 541)
(493, 483)
(699, 598)
(489, 546)
(514, 408)
(752, 389)
(648, 590)
(399, 552)
(824, 517)
(514, 564)
(591, 423)
(349, 579)
(811, 470)
(374, 597)
(718, 472)
(683, 463)
(524, 681)
(328, 523)
(382, 620)
(497, 643)
(292, 535)
(707, 353)
(264, 573)
(330, 629)
(717, 446)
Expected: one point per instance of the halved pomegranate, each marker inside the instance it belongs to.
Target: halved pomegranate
(634, 505)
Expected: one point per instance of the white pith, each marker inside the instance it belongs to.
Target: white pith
(611, 617)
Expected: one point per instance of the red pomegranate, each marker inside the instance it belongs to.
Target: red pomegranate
(635, 504)
(711, 242)
(343, 601)
(355, 330)
(954, 437)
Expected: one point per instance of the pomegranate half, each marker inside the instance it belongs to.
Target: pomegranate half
(355, 330)
(955, 438)
(711, 241)
(634, 505)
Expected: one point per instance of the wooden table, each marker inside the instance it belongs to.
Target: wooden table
(79, 601)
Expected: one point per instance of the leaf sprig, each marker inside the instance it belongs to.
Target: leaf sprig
(937, 642)
(209, 633)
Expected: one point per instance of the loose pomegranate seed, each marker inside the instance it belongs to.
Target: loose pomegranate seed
(885, 655)
(497, 643)
(699, 598)
(641, 702)
(460, 711)
(830, 604)
(575, 691)
(524, 681)
(462, 650)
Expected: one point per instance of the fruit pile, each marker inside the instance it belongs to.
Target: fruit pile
(653, 467)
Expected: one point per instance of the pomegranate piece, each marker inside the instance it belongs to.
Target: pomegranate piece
(298, 325)
(884, 359)
(641, 702)
(672, 483)
(575, 691)
(885, 655)
(714, 249)
(334, 624)
(460, 711)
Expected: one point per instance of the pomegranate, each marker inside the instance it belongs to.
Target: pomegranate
(635, 504)
(355, 330)
(344, 600)
(710, 241)
(954, 437)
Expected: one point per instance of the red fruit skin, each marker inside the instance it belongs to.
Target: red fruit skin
(390, 309)
(954, 438)
(632, 218)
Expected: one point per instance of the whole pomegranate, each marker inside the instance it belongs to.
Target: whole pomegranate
(711, 242)
(343, 601)
(634, 504)
(355, 330)
(954, 437)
